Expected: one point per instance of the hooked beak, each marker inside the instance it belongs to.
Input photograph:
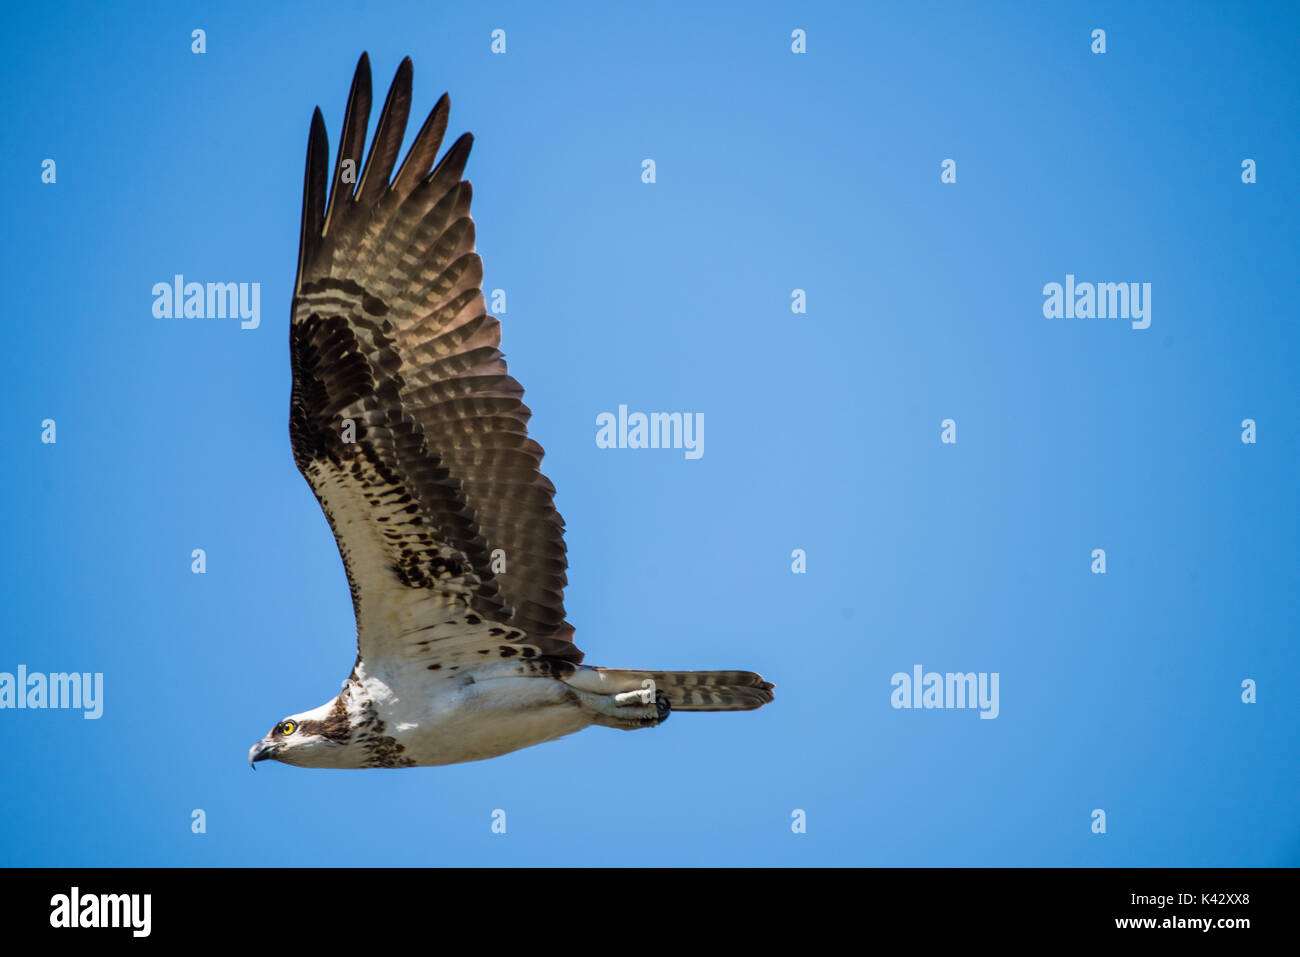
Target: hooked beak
(260, 752)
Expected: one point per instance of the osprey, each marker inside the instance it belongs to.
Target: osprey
(412, 434)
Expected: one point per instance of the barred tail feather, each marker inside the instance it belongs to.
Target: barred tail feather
(696, 690)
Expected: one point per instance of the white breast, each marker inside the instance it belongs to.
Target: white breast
(482, 712)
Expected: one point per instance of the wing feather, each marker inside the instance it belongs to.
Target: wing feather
(404, 418)
(352, 143)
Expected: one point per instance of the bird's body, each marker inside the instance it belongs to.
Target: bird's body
(410, 431)
(394, 721)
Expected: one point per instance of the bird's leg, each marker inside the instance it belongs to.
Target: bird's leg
(629, 710)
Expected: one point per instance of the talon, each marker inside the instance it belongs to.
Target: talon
(663, 705)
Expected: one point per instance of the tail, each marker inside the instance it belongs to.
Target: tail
(694, 690)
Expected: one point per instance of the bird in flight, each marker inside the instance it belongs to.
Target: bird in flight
(413, 436)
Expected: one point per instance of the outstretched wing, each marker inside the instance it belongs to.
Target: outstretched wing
(404, 419)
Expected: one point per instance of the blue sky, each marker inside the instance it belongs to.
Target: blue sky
(774, 172)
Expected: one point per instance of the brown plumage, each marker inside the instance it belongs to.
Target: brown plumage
(390, 330)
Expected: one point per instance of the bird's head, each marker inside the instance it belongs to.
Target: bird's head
(313, 739)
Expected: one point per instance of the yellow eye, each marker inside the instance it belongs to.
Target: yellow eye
(288, 727)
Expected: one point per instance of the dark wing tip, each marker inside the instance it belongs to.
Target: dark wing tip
(387, 142)
(452, 164)
(352, 142)
(423, 152)
(313, 193)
